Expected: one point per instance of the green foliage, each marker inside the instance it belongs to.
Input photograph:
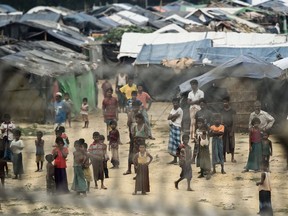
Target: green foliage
(114, 35)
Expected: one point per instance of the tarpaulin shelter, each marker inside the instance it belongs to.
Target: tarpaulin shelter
(34, 71)
(243, 79)
(156, 53)
(241, 66)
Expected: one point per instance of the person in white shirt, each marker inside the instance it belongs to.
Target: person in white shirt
(193, 100)
(17, 146)
(266, 119)
(175, 119)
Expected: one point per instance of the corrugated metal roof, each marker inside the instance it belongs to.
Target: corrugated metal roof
(276, 6)
(49, 16)
(43, 58)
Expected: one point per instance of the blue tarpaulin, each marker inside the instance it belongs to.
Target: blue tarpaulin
(242, 66)
(220, 55)
(154, 54)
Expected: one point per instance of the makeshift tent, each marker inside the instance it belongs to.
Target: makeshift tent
(155, 54)
(33, 71)
(131, 43)
(242, 66)
(245, 79)
(220, 55)
(86, 23)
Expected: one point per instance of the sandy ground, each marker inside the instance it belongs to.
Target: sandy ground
(232, 194)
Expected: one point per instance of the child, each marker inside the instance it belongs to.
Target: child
(106, 85)
(267, 150)
(69, 103)
(114, 140)
(255, 152)
(17, 146)
(79, 183)
(217, 131)
(200, 126)
(129, 107)
(175, 120)
(185, 161)
(86, 167)
(84, 112)
(131, 122)
(264, 187)
(39, 143)
(142, 166)
(60, 154)
(7, 128)
(50, 178)
(106, 157)
(60, 132)
(3, 167)
(204, 154)
(97, 151)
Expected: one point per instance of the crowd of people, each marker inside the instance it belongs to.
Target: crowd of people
(217, 129)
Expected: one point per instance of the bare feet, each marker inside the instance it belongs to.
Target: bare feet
(233, 161)
(172, 162)
(189, 189)
(223, 172)
(176, 185)
(103, 187)
(127, 172)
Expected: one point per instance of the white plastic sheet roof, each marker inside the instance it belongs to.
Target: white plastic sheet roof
(171, 27)
(131, 43)
(182, 20)
(44, 8)
(133, 17)
(120, 20)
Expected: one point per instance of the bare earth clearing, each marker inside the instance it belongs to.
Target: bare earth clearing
(232, 194)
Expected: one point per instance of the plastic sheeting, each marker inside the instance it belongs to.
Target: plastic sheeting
(50, 16)
(154, 54)
(134, 18)
(79, 87)
(282, 63)
(220, 55)
(242, 66)
(131, 43)
(84, 21)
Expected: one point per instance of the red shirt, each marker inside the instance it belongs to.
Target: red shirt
(144, 98)
(110, 107)
(255, 135)
(60, 161)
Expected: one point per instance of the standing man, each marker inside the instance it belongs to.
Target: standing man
(61, 109)
(266, 119)
(193, 100)
(228, 120)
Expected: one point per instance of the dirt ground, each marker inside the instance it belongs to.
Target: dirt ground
(232, 194)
